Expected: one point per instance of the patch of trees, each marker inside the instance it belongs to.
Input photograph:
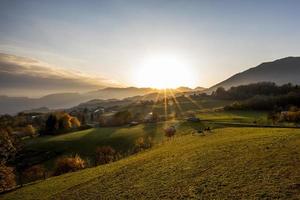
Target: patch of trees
(33, 173)
(68, 164)
(260, 96)
(262, 102)
(118, 119)
(243, 92)
(142, 144)
(121, 118)
(9, 146)
(292, 115)
(105, 154)
(58, 123)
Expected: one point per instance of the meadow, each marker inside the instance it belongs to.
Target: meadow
(228, 163)
(238, 154)
(123, 138)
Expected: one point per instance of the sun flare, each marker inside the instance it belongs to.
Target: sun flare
(164, 71)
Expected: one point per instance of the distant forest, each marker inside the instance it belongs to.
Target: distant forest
(260, 96)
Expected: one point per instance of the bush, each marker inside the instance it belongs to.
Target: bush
(105, 154)
(142, 144)
(29, 130)
(33, 173)
(170, 131)
(68, 164)
(7, 178)
(290, 116)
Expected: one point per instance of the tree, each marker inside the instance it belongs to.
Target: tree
(35, 172)
(75, 123)
(105, 154)
(68, 164)
(7, 178)
(60, 122)
(220, 92)
(274, 117)
(65, 122)
(121, 118)
(170, 131)
(51, 123)
(30, 131)
(142, 144)
(155, 116)
(9, 145)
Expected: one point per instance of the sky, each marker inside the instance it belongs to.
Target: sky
(212, 40)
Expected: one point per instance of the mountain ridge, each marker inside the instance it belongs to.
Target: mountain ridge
(280, 71)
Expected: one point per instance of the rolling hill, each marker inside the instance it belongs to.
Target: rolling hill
(229, 163)
(282, 71)
(12, 105)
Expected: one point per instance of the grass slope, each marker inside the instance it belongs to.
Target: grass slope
(122, 139)
(230, 163)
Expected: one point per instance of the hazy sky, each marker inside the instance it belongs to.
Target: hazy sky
(214, 39)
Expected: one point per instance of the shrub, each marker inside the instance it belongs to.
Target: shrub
(290, 116)
(274, 117)
(30, 131)
(68, 164)
(170, 131)
(33, 173)
(142, 144)
(105, 154)
(7, 178)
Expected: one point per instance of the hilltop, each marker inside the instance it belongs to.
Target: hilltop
(282, 71)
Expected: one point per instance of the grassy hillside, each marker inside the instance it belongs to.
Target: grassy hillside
(122, 139)
(229, 163)
(183, 105)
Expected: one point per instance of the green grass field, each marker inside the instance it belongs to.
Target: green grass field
(122, 139)
(183, 105)
(229, 163)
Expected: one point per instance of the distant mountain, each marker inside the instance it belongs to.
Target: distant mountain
(199, 88)
(38, 110)
(184, 89)
(119, 93)
(12, 105)
(282, 71)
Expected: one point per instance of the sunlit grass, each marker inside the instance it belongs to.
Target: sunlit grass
(230, 163)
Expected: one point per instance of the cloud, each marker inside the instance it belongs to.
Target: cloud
(21, 76)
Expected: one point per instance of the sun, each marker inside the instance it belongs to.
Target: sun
(164, 71)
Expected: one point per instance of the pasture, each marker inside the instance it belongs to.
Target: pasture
(228, 163)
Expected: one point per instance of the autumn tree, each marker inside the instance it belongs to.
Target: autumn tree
(75, 123)
(170, 131)
(7, 178)
(68, 164)
(9, 145)
(30, 131)
(61, 122)
(105, 154)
